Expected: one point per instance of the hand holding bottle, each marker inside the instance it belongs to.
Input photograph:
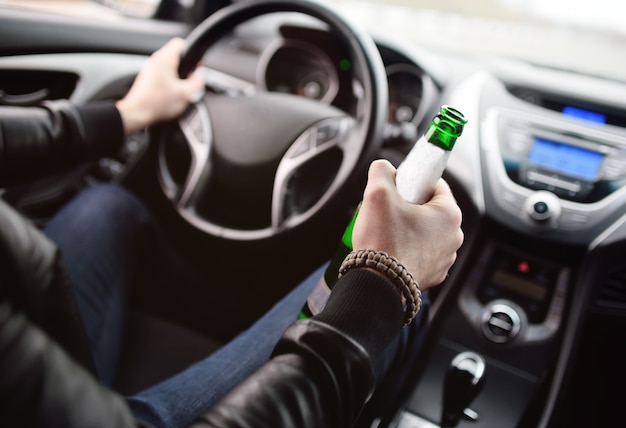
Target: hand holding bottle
(417, 181)
(424, 238)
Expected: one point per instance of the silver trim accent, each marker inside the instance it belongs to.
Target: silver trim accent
(471, 414)
(309, 145)
(474, 310)
(477, 364)
(200, 149)
(411, 420)
(222, 82)
(96, 71)
(611, 234)
(500, 307)
(553, 181)
(195, 124)
(552, 203)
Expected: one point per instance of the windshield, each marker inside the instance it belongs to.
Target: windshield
(587, 36)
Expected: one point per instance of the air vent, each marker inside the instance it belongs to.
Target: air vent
(29, 87)
(571, 108)
(527, 95)
(612, 294)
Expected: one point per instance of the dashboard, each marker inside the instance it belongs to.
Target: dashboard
(547, 162)
(301, 67)
(308, 61)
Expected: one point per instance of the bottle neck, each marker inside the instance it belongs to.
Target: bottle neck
(439, 137)
(445, 128)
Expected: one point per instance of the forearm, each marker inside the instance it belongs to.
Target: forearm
(321, 372)
(318, 378)
(34, 140)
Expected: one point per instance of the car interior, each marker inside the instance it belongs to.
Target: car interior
(528, 330)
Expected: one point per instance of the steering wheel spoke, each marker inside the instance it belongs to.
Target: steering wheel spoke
(220, 82)
(195, 125)
(318, 139)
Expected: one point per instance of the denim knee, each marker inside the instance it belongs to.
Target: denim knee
(104, 213)
(110, 201)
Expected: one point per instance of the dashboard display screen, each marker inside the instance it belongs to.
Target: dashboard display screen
(565, 159)
(524, 286)
(584, 115)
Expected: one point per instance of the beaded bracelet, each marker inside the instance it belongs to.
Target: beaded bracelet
(389, 266)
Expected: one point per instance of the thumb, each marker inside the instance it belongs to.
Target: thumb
(194, 86)
(381, 176)
(377, 212)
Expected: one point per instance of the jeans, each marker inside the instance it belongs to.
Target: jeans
(101, 234)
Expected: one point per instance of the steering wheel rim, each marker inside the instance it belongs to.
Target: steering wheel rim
(359, 136)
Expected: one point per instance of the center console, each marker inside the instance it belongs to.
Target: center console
(508, 312)
(512, 297)
(552, 180)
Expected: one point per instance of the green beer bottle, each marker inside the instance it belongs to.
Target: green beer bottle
(416, 178)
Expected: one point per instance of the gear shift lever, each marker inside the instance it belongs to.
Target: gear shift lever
(463, 382)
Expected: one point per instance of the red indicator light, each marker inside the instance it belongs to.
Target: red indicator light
(523, 267)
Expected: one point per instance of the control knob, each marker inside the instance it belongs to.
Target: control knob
(542, 207)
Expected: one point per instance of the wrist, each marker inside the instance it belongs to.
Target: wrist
(134, 118)
(396, 273)
(365, 306)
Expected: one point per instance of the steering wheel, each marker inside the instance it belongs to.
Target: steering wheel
(232, 165)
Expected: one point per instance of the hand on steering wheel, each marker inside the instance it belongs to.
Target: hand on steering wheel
(230, 166)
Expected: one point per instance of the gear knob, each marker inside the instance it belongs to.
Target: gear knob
(463, 382)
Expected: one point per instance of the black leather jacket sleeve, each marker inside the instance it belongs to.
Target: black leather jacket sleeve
(39, 139)
(44, 358)
(321, 373)
(42, 387)
(308, 383)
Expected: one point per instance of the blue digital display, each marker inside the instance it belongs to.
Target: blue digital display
(565, 159)
(584, 115)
